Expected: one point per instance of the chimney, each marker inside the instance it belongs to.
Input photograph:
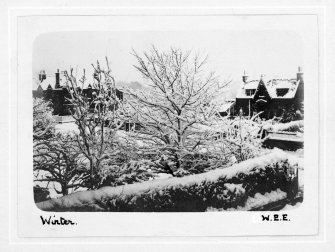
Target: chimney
(245, 77)
(57, 85)
(300, 75)
(42, 76)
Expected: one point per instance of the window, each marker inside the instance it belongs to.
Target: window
(282, 91)
(250, 92)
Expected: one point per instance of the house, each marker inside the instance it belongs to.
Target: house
(54, 89)
(273, 97)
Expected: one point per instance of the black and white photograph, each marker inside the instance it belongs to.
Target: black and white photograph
(168, 121)
(144, 127)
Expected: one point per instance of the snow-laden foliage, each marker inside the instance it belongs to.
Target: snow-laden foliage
(43, 126)
(291, 113)
(129, 172)
(258, 200)
(239, 139)
(98, 119)
(172, 112)
(294, 126)
(221, 188)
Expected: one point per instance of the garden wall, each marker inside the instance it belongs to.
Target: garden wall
(221, 188)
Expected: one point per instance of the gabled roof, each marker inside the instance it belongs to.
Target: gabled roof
(290, 84)
(50, 80)
(249, 85)
(271, 86)
(262, 92)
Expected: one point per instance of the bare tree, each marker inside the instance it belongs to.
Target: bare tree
(57, 160)
(98, 117)
(177, 109)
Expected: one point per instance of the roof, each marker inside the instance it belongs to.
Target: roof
(249, 85)
(50, 80)
(290, 84)
(271, 85)
(226, 106)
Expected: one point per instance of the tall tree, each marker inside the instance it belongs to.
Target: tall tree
(178, 108)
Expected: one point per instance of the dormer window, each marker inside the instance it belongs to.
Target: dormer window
(282, 92)
(250, 92)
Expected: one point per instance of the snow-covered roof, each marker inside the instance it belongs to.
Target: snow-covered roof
(249, 85)
(50, 80)
(224, 107)
(272, 86)
(275, 84)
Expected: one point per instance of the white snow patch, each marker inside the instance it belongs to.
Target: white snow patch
(257, 201)
(237, 188)
(70, 127)
(283, 126)
(290, 207)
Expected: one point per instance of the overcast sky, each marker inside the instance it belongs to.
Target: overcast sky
(272, 53)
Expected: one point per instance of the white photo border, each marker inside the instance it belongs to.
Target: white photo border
(95, 227)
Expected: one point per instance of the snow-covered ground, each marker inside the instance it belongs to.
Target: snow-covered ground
(66, 128)
(291, 207)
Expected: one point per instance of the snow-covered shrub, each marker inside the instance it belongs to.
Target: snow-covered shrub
(294, 126)
(41, 194)
(258, 200)
(128, 173)
(291, 113)
(221, 188)
(237, 139)
(43, 123)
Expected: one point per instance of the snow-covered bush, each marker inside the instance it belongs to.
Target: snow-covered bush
(294, 126)
(43, 123)
(221, 188)
(239, 138)
(128, 173)
(41, 194)
(258, 200)
(291, 113)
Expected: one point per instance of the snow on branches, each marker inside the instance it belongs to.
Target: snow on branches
(180, 101)
(98, 117)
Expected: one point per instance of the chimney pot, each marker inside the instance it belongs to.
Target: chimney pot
(244, 77)
(300, 74)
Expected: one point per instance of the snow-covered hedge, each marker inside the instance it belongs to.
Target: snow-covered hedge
(221, 188)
